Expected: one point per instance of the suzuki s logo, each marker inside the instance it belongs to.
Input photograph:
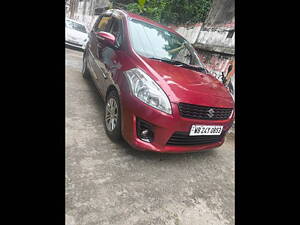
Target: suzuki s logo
(211, 113)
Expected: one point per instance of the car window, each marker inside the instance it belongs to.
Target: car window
(75, 26)
(152, 41)
(103, 24)
(116, 30)
(69, 24)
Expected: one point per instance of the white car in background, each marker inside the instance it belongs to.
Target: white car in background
(76, 34)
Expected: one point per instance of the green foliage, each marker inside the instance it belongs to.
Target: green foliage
(142, 3)
(135, 8)
(172, 11)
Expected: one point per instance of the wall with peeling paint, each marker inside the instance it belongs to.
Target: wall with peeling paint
(216, 39)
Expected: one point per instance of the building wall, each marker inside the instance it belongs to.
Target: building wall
(219, 39)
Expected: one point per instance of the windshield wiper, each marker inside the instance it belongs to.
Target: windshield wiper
(175, 62)
(164, 60)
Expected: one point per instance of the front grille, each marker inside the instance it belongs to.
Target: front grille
(203, 112)
(183, 138)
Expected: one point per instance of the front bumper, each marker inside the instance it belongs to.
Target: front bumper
(164, 126)
(75, 44)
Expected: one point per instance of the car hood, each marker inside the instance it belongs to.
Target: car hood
(189, 86)
(76, 35)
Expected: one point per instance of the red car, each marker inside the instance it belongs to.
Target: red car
(158, 95)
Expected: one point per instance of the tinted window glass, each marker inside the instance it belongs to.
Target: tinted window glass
(151, 41)
(104, 24)
(116, 30)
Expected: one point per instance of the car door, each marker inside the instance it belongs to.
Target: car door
(95, 48)
(109, 55)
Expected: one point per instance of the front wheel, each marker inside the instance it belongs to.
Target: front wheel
(112, 116)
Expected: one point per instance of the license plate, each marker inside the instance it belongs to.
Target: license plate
(198, 130)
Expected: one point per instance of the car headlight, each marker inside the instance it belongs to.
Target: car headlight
(145, 89)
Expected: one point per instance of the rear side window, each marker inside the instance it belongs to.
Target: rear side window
(104, 24)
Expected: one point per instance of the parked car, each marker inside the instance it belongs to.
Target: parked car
(76, 34)
(158, 95)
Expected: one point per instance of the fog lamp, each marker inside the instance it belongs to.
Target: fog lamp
(144, 130)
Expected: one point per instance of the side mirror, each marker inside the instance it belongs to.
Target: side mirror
(109, 38)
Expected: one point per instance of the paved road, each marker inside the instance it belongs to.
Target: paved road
(108, 183)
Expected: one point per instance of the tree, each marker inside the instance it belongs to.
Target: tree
(172, 11)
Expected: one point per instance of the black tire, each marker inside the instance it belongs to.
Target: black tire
(85, 70)
(115, 133)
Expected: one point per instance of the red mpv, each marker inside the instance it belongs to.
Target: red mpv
(158, 94)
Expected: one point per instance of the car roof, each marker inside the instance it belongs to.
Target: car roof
(75, 21)
(144, 19)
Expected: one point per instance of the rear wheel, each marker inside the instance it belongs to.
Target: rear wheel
(85, 70)
(112, 116)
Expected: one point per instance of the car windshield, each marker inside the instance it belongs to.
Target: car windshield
(75, 26)
(154, 42)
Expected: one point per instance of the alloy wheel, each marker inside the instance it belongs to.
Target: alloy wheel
(111, 114)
